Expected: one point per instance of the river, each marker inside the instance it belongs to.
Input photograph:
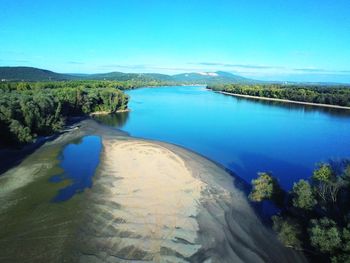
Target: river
(246, 136)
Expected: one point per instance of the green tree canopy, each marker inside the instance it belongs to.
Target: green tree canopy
(324, 173)
(288, 232)
(303, 196)
(325, 235)
(266, 187)
(28, 110)
(315, 216)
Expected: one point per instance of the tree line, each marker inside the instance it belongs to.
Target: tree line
(332, 95)
(121, 85)
(28, 110)
(315, 215)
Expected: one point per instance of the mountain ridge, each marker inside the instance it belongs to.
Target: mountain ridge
(37, 74)
(32, 74)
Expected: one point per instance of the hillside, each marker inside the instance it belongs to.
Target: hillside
(35, 74)
(218, 77)
(31, 74)
(119, 76)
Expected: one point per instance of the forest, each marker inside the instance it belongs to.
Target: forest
(29, 110)
(315, 215)
(332, 95)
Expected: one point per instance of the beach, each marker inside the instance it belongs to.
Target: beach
(283, 100)
(158, 202)
(150, 202)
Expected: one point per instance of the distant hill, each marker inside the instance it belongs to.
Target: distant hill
(202, 78)
(186, 78)
(31, 74)
(218, 77)
(119, 76)
(35, 74)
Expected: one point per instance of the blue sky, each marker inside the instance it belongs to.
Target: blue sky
(306, 40)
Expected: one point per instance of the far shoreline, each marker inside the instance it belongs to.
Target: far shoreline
(283, 100)
(95, 113)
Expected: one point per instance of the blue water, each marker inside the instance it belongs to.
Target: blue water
(246, 136)
(79, 162)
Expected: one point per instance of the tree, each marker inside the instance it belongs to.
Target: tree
(323, 173)
(20, 133)
(346, 173)
(288, 232)
(303, 196)
(343, 256)
(323, 232)
(266, 187)
(325, 235)
(28, 110)
(337, 95)
(327, 183)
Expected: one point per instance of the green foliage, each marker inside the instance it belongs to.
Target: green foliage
(135, 79)
(315, 215)
(325, 235)
(327, 184)
(346, 174)
(303, 195)
(31, 74)
(288, 232)
(334, 95)
(19, 132)
(343, 255)
(266, 187)
(323, 173)
(342, 258)
(262, 188)
(28, 110)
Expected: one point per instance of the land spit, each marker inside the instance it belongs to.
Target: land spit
(150, 201)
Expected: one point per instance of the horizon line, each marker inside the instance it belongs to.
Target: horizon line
(189, 72)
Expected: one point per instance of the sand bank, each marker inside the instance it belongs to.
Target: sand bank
(33, 229)
(96, 113)
(286, 101)
(150, 201)
(158, 202)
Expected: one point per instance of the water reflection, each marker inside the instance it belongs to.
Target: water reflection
(298, 107)
(250, 164)
(117, 120)
(79, 161)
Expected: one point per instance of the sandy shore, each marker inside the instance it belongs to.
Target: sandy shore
(150, 202)
(96, 113)
(33, 229)
(157, 202)
(287, 101)
(147, 197)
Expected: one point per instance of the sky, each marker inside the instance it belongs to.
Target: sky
(300, 40)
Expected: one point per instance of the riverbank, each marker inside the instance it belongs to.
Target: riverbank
(12, 156)
(96, 113)
(149, 201)
(153, 201)
(283, 100)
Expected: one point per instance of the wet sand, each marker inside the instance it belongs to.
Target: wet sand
(150, 202)
(158, 202)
